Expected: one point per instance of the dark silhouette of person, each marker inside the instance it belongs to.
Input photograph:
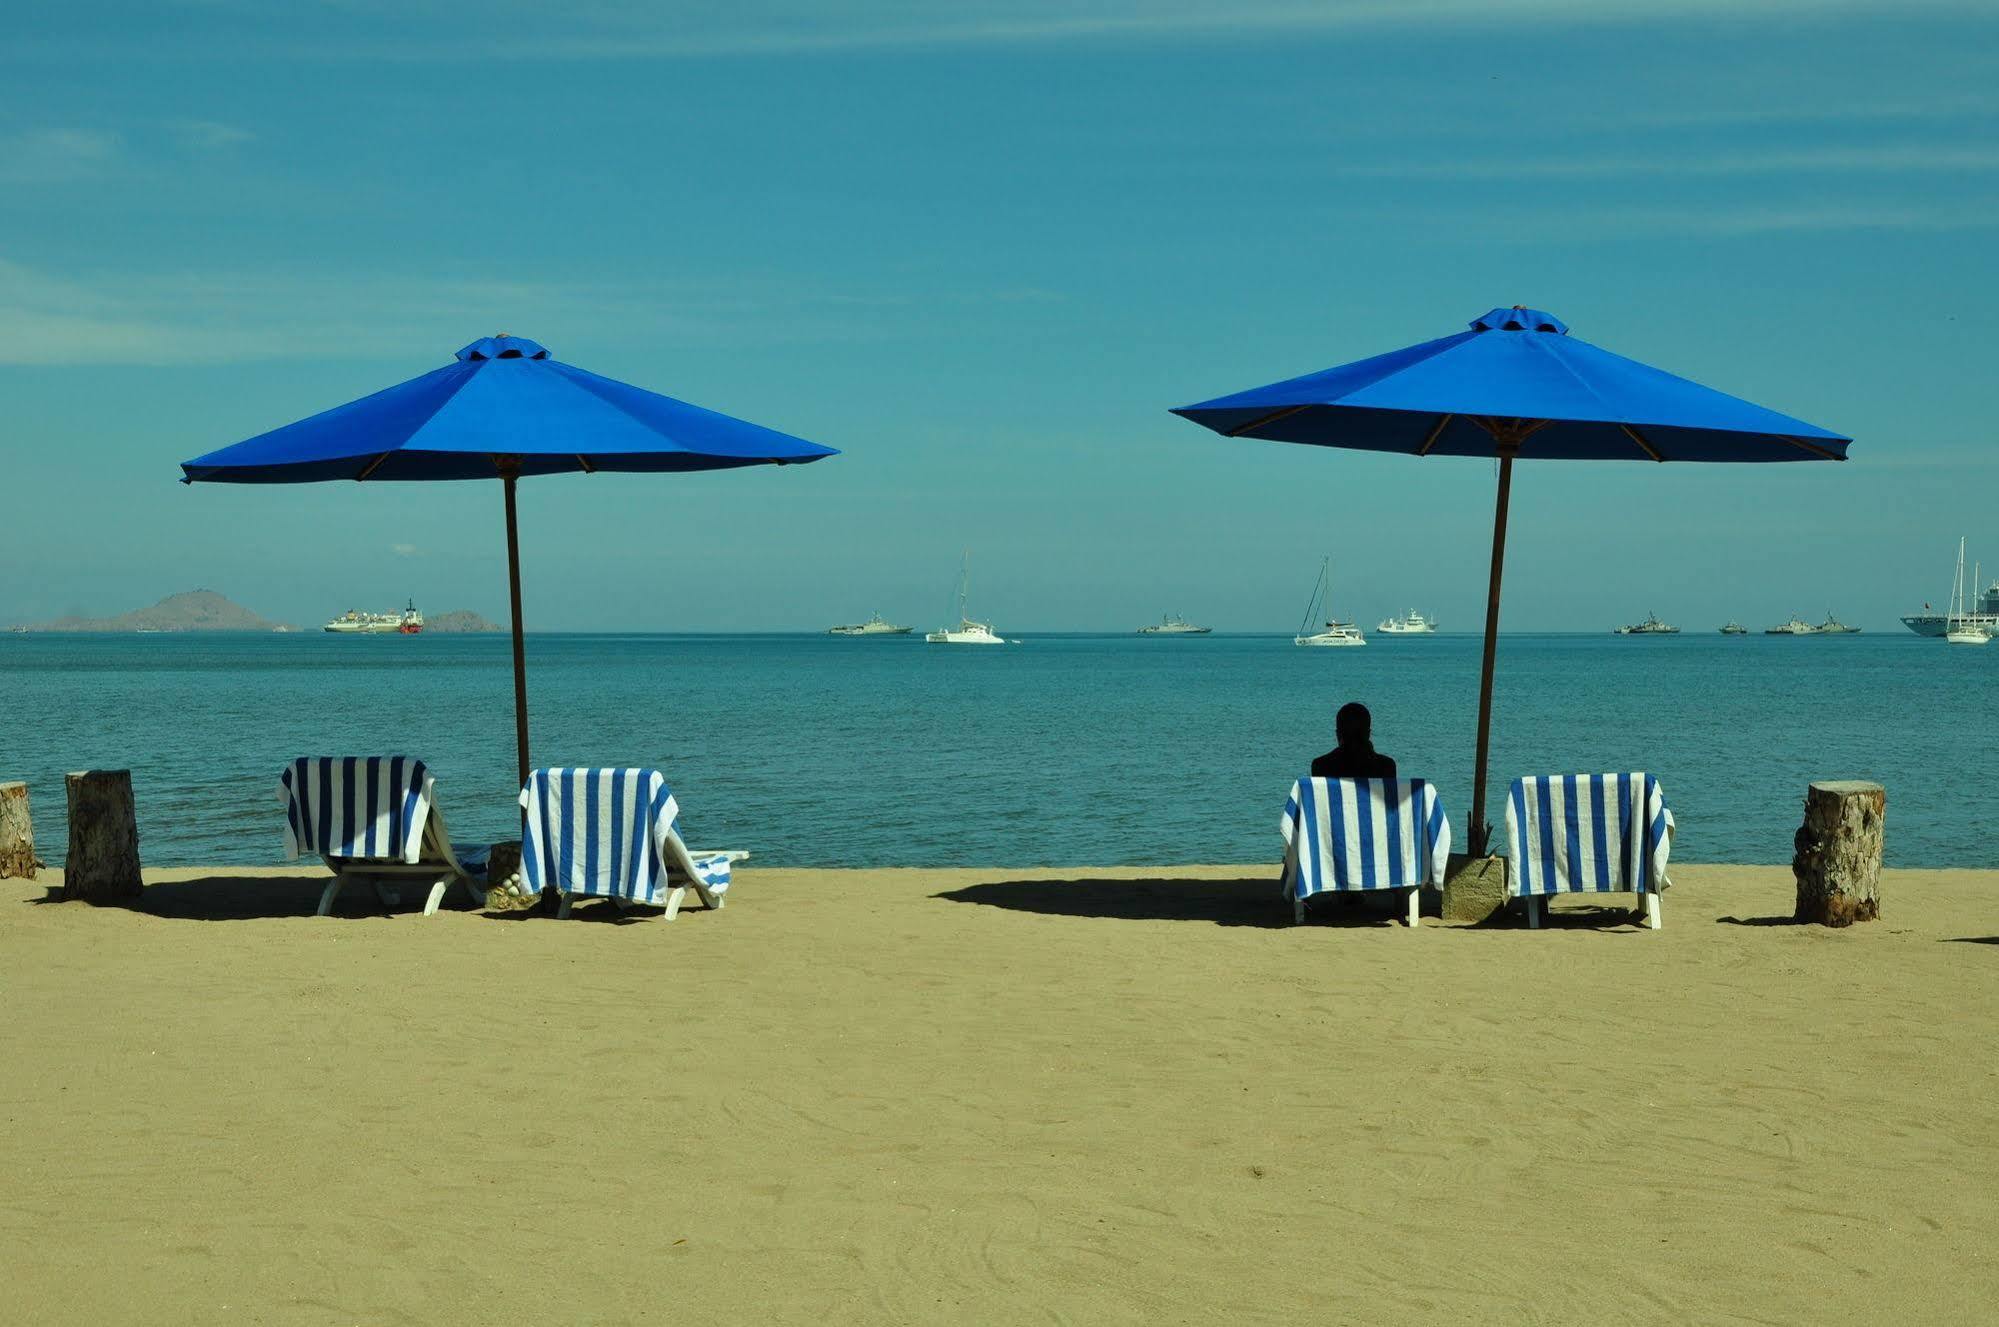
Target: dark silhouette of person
(1355, 756)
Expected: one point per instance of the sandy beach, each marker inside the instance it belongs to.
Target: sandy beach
(996, 1096)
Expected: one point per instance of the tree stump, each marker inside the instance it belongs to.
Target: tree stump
(1838, 853)
(17, 833)
(103, 862)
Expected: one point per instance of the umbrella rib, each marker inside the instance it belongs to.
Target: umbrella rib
(371, 467)
(1823, 453)
(1643, 445)
(1443, 422)
(584, 461)
(1261, 420)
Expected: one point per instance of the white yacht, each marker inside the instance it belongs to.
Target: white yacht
(1411, 623)
(876, 625)
(1173, 625)
(967, 632)
(1336, 632)
(1962, 628)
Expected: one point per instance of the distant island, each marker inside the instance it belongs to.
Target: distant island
(460, 619)
(205, 610)
(192, 610)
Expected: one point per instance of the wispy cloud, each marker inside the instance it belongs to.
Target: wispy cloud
(208, 135)
(53, 155)
(405, 550)
(1923, 157)
(432, 30)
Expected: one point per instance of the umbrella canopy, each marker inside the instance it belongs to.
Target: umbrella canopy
(505, 408)
(1514, 385)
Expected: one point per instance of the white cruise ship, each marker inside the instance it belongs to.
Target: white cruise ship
(1411, 623)
(409, 622)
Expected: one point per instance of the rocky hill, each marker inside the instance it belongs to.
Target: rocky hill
(192, 610)
(460, 619)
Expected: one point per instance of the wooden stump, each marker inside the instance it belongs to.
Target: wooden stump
(1838, 853)
(1474, 887)
(17, 833)
(103, 862)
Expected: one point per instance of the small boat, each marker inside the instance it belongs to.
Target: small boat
(1336, 632)
(876, 625)
(1411, 623)
(1173, 625)
(1832, 626)
(1962, 628)
(1797, 626)
(1651, 626)
(1734, 628)
(967, 632)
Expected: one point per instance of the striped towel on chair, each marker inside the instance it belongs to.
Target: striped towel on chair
(356, 807)
(1351, 834)
(1588, 833)
(608, 833)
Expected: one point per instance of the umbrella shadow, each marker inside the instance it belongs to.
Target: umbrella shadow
(1970, 940)
(1247, 902)
(1781, 919)
(236, 898)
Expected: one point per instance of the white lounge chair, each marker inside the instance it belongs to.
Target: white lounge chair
(609, 833)
(1588, 833)
(375, 817)
(1345, 835)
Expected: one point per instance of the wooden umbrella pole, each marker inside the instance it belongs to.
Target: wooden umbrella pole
(508, 474)
(1477, 833)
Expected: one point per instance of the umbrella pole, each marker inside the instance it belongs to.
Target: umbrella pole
(520, 649)
(1477, 833)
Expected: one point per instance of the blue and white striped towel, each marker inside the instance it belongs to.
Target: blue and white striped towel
(370, 808)
(1350, 834)
(607, 833)
(1588, 833)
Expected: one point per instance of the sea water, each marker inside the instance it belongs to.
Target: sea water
(1064, 750)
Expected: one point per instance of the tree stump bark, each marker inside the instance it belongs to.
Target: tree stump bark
(17, 833)
(103, 862)
(1838, 853)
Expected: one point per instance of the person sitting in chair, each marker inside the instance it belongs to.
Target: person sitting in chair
(1355, 756)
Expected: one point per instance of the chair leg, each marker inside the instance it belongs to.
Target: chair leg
(332, 889)
(1652, 918)
(1297, 912)
(390, 898)
(562, 907)
(1415, 909)
(673, 897)
(1533, 913)
(436, 896)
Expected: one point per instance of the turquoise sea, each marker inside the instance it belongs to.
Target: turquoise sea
(1066, 750)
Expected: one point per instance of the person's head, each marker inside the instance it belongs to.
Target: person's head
(1354, 726)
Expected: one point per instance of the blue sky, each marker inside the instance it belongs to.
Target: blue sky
(982, 247)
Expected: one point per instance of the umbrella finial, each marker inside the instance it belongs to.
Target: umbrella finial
(1520, 318)
(504, 345)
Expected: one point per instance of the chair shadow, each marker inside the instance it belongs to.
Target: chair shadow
(1779, 920)
(1970, 940)
(1254, 902)
(235, 898)
(1589, 917)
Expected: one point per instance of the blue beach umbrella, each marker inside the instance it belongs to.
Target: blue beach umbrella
(1515, 386)
(505, 409)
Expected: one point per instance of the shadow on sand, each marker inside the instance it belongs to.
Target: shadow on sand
(1780, 920)
(1253, 902)
(236, 898)
(1971, 940)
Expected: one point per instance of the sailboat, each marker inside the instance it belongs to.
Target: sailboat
(967, 632)
(1336, 632)
(1960, 628)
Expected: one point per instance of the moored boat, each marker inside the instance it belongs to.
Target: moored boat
(876, 625)
(1651, 626)
(1411, 623)
(1335, 633)
(968, 631)
(353, 622)
(1734, 628)
(1173, 625)
(1797, 626)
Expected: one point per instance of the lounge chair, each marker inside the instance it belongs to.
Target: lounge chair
(1344, 835)
(609, 833)
(1588, 833)
(375, 816)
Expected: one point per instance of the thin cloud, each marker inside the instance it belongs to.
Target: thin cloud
(1908, 158)
(53, 155)
(209, 135)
